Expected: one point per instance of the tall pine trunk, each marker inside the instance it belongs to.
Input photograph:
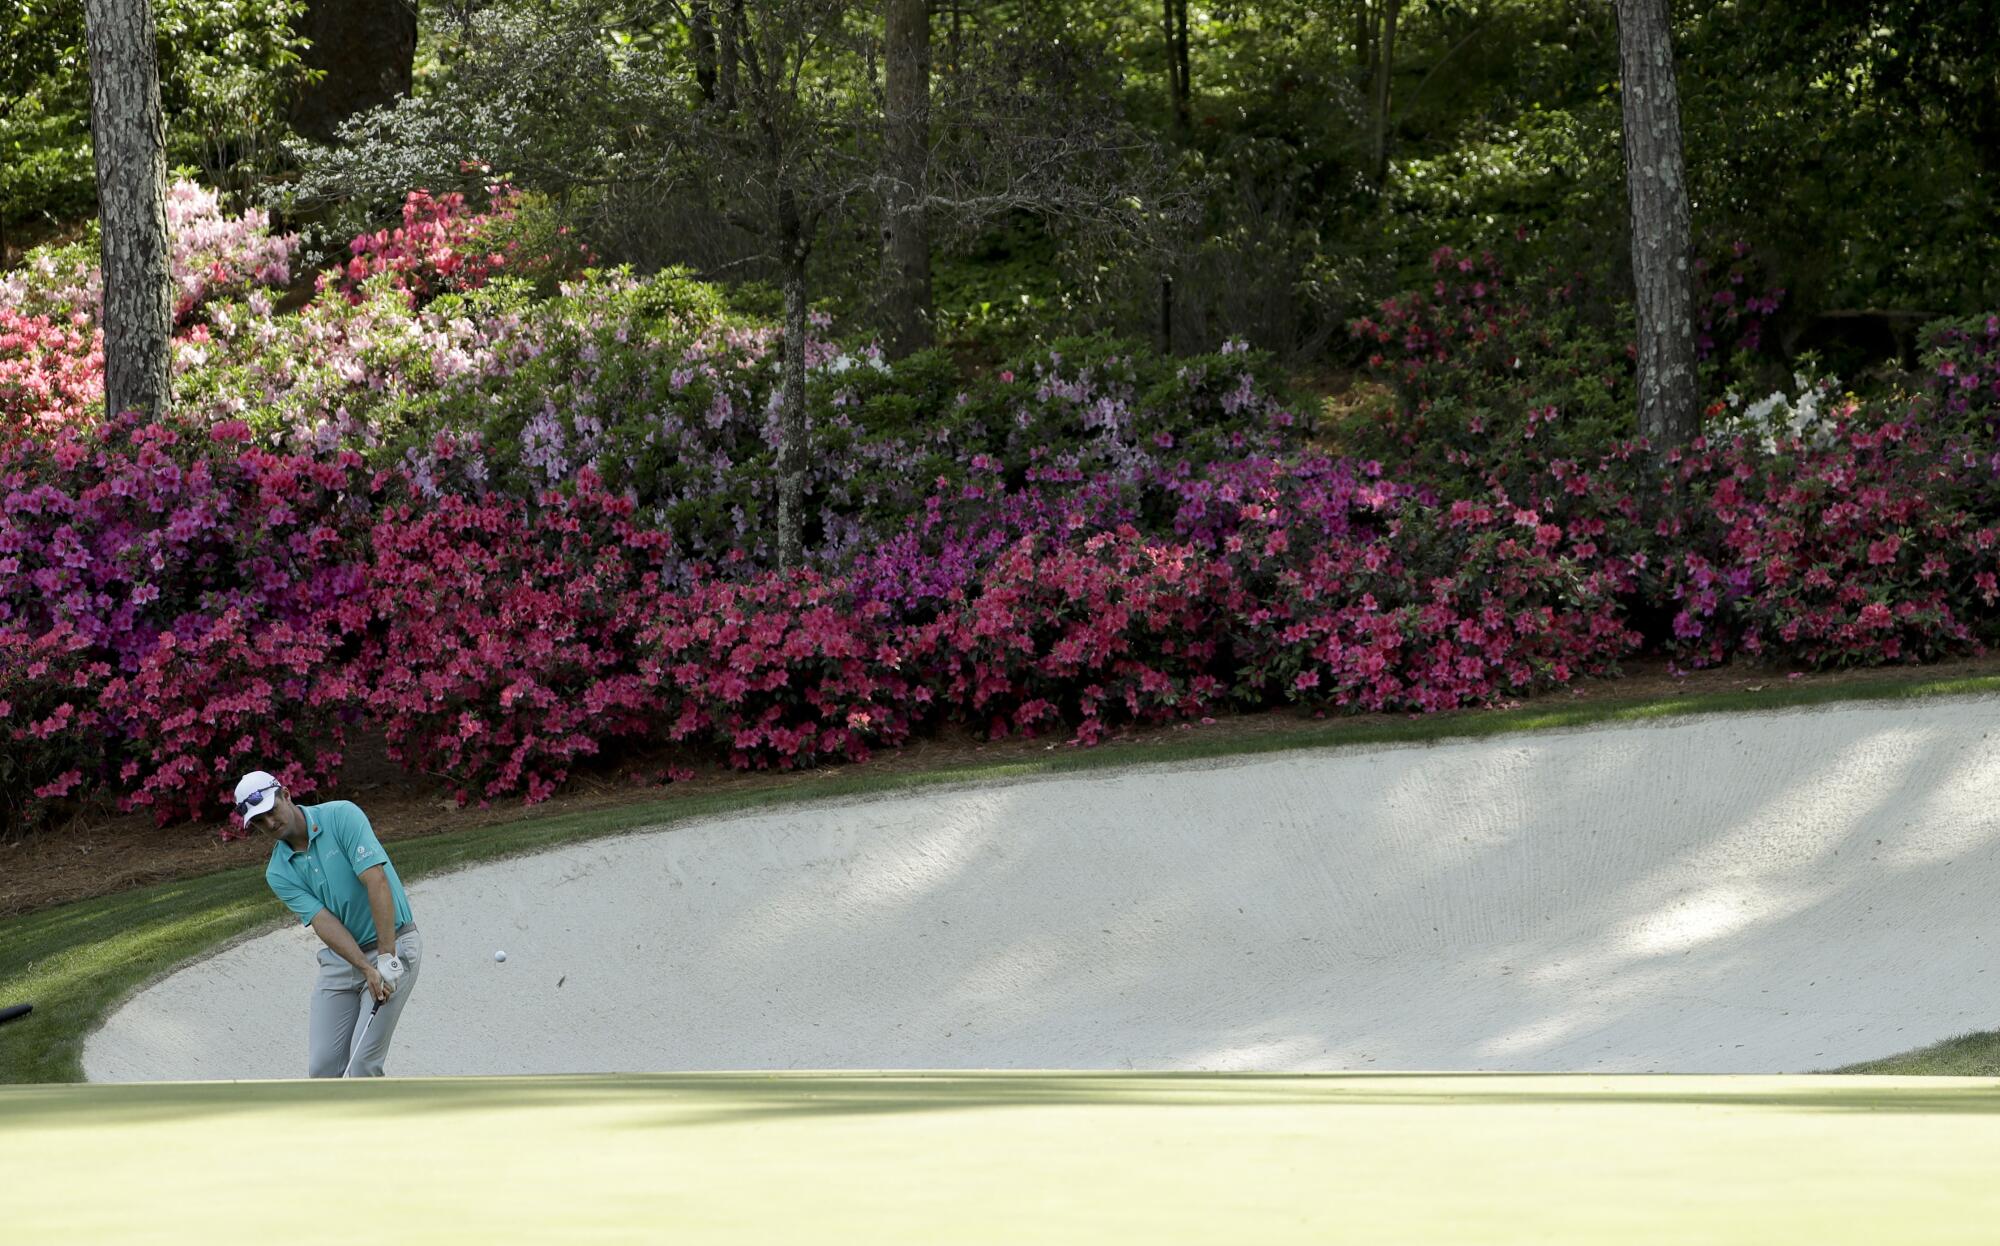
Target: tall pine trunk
(1385, 64)
(792, 410)
(906, 245)
(129, 144)
(1662, 247)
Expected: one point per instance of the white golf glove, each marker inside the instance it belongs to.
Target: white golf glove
(391, 968)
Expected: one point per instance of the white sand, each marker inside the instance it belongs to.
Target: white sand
(1752, 893)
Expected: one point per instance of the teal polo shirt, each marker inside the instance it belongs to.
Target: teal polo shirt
(326, 873)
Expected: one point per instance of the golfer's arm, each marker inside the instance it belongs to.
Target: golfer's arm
(383, 905)
(332, 933)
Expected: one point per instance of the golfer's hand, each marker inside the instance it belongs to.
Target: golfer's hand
(378, 986)
(391, 967)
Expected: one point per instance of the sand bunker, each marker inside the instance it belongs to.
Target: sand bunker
(1751, 893)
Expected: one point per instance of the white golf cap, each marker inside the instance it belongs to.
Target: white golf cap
(256, 792)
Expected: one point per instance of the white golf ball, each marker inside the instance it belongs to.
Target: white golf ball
(499, 956)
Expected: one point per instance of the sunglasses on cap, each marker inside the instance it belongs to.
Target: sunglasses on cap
(243, 806)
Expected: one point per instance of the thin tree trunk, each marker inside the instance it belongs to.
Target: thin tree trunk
(906, 247)
(1385, 65)
(1364, 37)
(730, 53)
(1173, 29)
(129, 146)
(1656, 182)
(1173, 26)
(701, 35)
(792, 410)
(1182, 66)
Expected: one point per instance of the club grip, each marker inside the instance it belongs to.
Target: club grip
(14, 1012)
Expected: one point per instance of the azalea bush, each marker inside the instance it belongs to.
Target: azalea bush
(515, 516)
(1880, 543)
(506, 638)
(50, 678)
(1961, 367)
(173, 605)
(781, 671)
(211, 255)
(51, 374)
(445, 244)
(1358, 592)
(1081, 634)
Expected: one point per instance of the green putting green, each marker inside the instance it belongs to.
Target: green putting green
(1049, 1157)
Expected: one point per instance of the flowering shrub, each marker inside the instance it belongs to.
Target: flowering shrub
(1879, 545)
(1778, 416)
(1482, 362)
(782, 671)
(51, 375)
(211, 256)
(199, 582)
(1493, 372)
(515, 527)
(1961, 363)
(49, 681)
(507, 638)
(1361, 593)
(444, 245)
(1113, 628)
(217, 697)
(1731, 312)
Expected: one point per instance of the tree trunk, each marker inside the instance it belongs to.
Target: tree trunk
(701, 34)
(906, 247)
(129, 145)
(1655, 179)
(730, 53)
(365, 49)
(1385, 64)
(1173, 29)
(1173, 24)
(792, 410)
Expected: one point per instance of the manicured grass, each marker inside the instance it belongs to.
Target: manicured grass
(75, 962)
(1027, 1157)
(1968, 1055)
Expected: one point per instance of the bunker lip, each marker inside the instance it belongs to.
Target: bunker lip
(1769, 892)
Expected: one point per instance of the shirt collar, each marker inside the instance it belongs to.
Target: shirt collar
(312, 833)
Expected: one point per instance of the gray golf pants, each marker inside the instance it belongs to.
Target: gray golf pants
(340, 1006)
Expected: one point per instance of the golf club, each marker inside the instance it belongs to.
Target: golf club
(361, 1039)
(14, 1012)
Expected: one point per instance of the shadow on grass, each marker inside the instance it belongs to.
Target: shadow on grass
(673, 1101)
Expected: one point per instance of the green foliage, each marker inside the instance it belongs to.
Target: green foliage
(1003, 295)
(226, 68)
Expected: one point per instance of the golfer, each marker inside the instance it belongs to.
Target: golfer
(328, 867)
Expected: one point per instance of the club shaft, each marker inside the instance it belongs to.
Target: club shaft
(362, 1041)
